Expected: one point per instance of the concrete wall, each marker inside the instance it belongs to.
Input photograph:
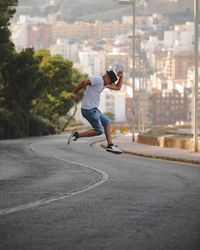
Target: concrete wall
(168, 141)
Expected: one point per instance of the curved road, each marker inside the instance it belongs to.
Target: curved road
(79, 197)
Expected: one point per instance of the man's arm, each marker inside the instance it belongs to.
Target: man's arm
(81, 85)
(118, 85)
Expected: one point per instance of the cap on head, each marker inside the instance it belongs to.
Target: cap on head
(112, 76)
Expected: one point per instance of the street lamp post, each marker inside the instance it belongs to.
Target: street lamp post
(129, 2)
(133, 73)
(196, 76)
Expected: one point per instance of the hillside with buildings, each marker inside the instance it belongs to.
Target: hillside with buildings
(164, 45)
(70, 11)
(106, 10)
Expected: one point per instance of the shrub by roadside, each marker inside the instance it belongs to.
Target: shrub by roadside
(18, 125)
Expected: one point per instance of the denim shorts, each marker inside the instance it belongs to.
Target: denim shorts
(95, 118)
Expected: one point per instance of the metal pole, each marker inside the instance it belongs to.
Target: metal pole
(124, 2)
(133, 72)
(196, 76)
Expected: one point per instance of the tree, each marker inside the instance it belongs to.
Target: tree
(60, 77)
(34, 87)
(7, 10)
(22, 81)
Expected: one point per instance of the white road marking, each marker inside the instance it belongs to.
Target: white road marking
(73, 193)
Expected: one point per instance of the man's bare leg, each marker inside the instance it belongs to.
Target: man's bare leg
(88, 133)
(107, 131)
(110, 148)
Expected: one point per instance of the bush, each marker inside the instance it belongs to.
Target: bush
(39, 126)
(18, 125)
(12, 125)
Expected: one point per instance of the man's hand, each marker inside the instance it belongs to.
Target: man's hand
(118, 85)
(74, 96)
(81, 85)
(120, 74)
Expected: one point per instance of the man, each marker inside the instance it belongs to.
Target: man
(89, 109)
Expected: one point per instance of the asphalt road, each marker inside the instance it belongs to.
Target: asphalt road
(77, 197)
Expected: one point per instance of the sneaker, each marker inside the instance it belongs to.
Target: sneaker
(113, 149)
(73, 137)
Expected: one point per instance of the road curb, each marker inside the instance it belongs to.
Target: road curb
(161, 157)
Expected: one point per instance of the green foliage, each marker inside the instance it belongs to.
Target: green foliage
(39, 126)
(21, 81)
(15, 125)
(35, 87)
(35, 92)
(55, 101)
(7, 10)
(12, 125)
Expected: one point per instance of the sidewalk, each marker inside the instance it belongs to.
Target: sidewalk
(126, 144)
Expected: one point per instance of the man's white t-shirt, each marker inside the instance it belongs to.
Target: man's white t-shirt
(91, 97)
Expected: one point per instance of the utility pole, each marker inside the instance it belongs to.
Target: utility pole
(196, 77)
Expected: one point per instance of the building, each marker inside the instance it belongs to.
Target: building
(168, 107)
(153, 44)
(180, 39)
(19, 35)
(115, 57)
(91, 62)
(167, 71)
(84, 30)
(66, 48)
(141, 117)
(156, 59)
(180, 65)
(30, 32)
(39, 35)
(114, 102)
